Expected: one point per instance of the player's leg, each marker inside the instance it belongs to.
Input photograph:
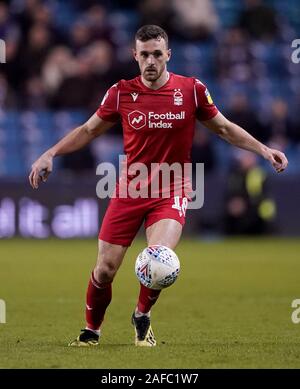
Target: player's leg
(165, 232)
(119, 227)
(110, 257)
(99, 291)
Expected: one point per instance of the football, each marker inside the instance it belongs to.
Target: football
(157, 267)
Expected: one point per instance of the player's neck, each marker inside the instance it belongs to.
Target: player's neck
(161, 81)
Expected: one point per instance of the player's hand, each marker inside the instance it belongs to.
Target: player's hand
(40, 170)
(277, 159)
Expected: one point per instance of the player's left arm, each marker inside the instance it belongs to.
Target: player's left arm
(237, 136)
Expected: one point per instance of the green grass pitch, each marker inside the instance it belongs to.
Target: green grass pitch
(230, 307)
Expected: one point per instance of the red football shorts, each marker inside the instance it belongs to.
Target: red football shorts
(124, 217)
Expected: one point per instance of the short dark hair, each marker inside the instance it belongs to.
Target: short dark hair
(151, 31)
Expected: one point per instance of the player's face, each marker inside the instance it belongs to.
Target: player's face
(152, 57)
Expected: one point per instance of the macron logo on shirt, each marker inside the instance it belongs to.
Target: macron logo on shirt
(134, 95)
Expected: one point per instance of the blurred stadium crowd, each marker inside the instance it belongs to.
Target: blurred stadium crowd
(61, 56)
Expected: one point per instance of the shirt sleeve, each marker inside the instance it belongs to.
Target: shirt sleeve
(205, 107)
(109, 107)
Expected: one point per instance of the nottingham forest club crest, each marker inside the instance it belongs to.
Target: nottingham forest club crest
(178, 97)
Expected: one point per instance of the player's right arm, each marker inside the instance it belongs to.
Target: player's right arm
(104, 118)
(74, 140)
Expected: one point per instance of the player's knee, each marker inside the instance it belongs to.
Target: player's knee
(104, 272)
(108, 262)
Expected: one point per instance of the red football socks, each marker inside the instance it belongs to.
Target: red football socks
(147, 298)
(98, 298)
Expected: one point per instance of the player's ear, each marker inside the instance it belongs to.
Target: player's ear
(169, 54)
(134, 53)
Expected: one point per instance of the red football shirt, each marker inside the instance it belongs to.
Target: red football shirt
(158, 125)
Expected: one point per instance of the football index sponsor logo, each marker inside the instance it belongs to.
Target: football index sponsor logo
(162, 119)
(2, 312)
(138, 119)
